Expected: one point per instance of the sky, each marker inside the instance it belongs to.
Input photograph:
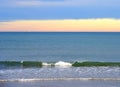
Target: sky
(60, 15)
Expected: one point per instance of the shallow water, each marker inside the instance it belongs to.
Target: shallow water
(58, 72)
(73, 83)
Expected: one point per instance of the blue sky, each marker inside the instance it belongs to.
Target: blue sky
(58, 9)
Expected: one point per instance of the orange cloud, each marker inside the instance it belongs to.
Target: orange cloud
(82, 25)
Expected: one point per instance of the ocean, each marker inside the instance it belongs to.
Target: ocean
(59, 59)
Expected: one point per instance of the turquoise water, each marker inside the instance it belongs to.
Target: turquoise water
(55, 53)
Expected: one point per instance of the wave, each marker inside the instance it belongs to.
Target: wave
(21, 63)
(56, 64)
(55, 79)
(78, 64)
(63, 64)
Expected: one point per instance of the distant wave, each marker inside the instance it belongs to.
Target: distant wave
(55, 79)
(55, 64)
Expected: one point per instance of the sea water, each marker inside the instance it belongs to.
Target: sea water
(58, 51)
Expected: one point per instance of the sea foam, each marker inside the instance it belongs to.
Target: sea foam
(63, 64)
(46, 64)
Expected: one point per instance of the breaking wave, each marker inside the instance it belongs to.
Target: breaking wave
(55, 64)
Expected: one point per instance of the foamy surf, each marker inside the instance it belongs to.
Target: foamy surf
(46, 64)
(63, 64)
(58, 64)
(57, 79)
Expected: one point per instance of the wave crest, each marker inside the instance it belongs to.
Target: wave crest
(63, 64)
(55, 64)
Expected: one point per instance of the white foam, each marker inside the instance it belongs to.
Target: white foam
(46, 64)
(55, 79)
(21, 61)
(63, 64)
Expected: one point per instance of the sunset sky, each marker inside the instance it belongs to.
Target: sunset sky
(60, 15)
